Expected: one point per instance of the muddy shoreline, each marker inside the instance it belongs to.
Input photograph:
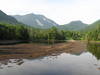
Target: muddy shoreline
(34, 50)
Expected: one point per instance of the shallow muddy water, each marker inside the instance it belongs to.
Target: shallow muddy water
(83, 63)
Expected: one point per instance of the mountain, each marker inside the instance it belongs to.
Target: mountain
(6, 18)
(38, 21)
(74, 25)
(92, 26)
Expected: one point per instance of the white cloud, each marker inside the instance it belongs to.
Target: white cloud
(61, 11)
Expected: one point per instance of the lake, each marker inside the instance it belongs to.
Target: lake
(85, 62)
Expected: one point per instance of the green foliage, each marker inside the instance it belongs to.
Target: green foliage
(75, 35)
(22, 32)
(92, 26)
(13, 32)
(73, 26)
(94, 34)
(47, 34)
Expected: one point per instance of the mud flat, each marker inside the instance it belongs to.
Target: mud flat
(33, 50)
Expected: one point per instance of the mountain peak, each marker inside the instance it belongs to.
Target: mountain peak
(36, 20)
(76, 22)
(74, 25)
(30, 14)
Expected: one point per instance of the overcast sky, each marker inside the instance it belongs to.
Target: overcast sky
(61, 11)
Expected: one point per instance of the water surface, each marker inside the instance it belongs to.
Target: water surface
(84, 63)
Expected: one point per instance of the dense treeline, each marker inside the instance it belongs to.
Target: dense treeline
(23, 32)
(94, 34)
(26, 33)
(13, 32)
(56, 34)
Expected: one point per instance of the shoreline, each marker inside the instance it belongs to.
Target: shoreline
(33, 50)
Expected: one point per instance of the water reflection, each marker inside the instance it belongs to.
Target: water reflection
(63, 64)
(56, 63)
(94, 48)
(17, 60)
(10, 63)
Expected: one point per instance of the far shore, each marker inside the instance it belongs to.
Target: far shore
(11, 42)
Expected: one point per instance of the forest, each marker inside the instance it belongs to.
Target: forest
(22, 32)
(94, 34)
(26, 33)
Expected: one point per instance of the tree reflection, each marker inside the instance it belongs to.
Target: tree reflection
(94, 48)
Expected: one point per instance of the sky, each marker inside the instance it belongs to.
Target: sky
(61, 11)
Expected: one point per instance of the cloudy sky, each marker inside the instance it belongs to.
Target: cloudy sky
(61, 11)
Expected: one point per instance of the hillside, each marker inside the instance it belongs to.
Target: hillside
(6, 18)
(38, 21)
(92, 26)
(74, 25)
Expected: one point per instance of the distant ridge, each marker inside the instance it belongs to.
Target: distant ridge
(92, 26)
(38, 21)
(74, 25)
(6, 18)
